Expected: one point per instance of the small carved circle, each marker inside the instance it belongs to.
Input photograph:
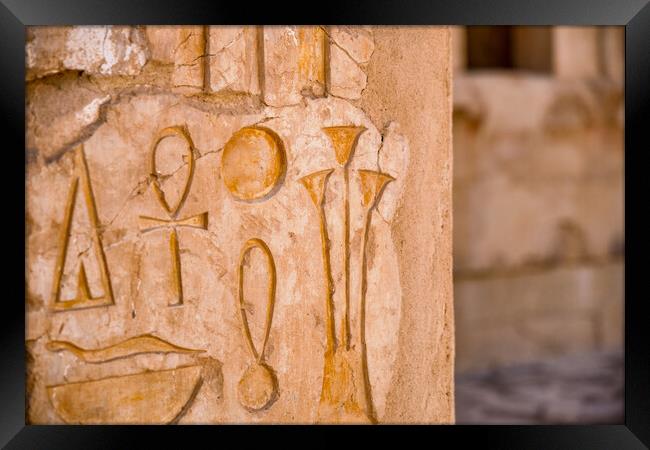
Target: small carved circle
(253, 163)
(257, 388)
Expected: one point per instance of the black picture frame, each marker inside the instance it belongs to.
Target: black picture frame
(15, 15)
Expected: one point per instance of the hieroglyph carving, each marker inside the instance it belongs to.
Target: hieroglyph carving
(346, 395)
(84, 298)
(258, 386)
(147, 397)
(161, 396)
(199, 221)
(145, 343)
(253, 163)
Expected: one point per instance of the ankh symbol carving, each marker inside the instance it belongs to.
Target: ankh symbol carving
(258, 387)
(152, 223)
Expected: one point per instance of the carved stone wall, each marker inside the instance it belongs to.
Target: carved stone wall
(239, 225)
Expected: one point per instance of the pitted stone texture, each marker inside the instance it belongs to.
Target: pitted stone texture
(97, 50)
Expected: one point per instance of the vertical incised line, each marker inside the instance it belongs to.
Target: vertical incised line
(326, 58)
(176, 267)
(64, 239)
(270, 305)
(329, 309)
(94, 220)
(362, 290)
(81, 177)
(362, 317)
(206, 58)
(346, 258)
(316, 185)
(260, 61)
(242, 306)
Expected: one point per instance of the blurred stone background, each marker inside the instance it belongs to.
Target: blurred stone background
(538, 224)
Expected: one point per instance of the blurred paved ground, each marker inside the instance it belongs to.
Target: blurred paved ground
(584, 389)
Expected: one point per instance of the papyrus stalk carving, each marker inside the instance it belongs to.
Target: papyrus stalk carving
(346, 392)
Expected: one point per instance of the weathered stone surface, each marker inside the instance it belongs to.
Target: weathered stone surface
(233, 58)
(347, 80)
(98, 50)
(43, 51)
(189, 60)
(163, 41)
(294, 61)
(357, 42)
(350, 49)
(193, 288)
(62, 113)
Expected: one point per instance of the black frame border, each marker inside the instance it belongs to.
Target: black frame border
(633, 14)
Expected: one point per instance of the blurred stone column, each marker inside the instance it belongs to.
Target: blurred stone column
(613, 53)
(459, 48)
(576, 52)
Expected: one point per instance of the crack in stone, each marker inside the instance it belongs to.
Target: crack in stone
(379, 169)
(351, 100)
(240, 34)
(194, 61)
(184, 41)
(333, 41)
(202, 154)
(126, 239)
(84, 251)
(138, 190)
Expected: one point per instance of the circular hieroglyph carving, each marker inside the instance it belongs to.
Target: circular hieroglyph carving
(253, 163)
(257, 388)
